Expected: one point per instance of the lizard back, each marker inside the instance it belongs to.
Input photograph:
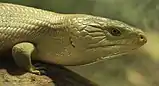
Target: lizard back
(20, 23)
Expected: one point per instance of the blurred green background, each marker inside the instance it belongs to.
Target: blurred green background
(140, 68)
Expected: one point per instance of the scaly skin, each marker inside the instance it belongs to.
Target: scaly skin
(66, 39)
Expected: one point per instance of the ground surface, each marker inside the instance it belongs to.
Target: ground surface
(11, 75)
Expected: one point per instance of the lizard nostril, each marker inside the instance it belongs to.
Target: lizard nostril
(142, 39)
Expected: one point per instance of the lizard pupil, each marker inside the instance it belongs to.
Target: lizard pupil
(115, 32)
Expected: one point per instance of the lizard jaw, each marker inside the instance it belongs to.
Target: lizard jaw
(117, 54)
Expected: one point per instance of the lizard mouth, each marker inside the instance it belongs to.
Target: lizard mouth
(118, 53)
(113, 55)
(105, 58)
(132, 47)
(118, 50)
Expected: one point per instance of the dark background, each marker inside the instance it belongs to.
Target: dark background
(138, 69)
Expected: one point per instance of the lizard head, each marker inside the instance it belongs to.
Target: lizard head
(97, 38)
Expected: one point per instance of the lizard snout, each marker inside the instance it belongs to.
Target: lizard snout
(142, 39)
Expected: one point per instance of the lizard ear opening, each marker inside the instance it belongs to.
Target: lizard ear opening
(71, 42)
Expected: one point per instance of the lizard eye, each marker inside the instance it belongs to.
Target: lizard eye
(115, 32)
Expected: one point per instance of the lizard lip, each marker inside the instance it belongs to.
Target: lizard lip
(109, 57)
(119, 45)
(115, 55)
(127, 45)
(111, 45)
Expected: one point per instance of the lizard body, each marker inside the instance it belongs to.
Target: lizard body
(66, 39)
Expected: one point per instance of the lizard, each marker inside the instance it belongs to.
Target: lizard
(65, 39)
